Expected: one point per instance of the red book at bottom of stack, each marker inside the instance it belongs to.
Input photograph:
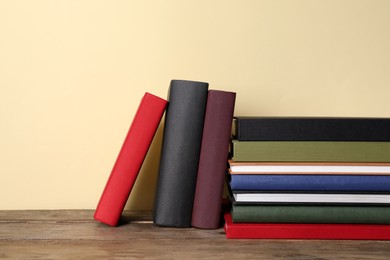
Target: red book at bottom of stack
(305, 231)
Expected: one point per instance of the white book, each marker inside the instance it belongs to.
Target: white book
(309, 168)
(311, 198)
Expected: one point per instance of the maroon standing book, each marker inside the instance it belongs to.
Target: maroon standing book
(213, 159)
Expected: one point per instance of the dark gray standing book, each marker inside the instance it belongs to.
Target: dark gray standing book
(256, 128)
(180, 153)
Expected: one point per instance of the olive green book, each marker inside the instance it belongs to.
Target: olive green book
(311, 151)
(333, 214)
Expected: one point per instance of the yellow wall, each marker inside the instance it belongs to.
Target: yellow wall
(72, 73)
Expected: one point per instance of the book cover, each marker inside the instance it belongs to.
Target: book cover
(303, 182)
(311, 129)
(213, 157)
(311, 151)
(261, 197)
(130, 159)
(364, 168)
(304, 231)
(330, 214)
(180, 153)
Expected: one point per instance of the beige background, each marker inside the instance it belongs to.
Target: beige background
(72, 74)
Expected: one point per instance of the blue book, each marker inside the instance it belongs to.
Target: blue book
(279, 182)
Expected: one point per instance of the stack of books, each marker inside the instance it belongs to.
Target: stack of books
(309, 178)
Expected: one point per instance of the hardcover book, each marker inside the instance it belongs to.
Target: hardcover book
(130, 159)
(335, 214)
(311, 129)
(329, 168)
(304, 231)
(261, 197)
(304, 182)
(213, 158)
(180, 153)
(311, 151)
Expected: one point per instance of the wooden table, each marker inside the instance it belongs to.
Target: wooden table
(73, 234)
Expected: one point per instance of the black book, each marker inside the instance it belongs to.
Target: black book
(180, 153)
(246, 128)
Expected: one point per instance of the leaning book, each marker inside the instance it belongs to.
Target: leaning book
(130, 159)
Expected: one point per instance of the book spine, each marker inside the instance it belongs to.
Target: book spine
(130, 159)
(213, 159)
(180, 153)
(312, 129)
(328, 168)
(304, 231)
(311, 214)
(281, 182)
(285, 151)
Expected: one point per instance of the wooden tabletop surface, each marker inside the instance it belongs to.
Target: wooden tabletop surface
(73, 234)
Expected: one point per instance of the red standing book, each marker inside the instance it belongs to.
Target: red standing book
(305, 231)
(130, 159)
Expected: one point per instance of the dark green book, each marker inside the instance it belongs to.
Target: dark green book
(311, 151)
(331, 214)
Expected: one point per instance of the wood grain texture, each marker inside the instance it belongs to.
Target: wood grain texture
(73, 234)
